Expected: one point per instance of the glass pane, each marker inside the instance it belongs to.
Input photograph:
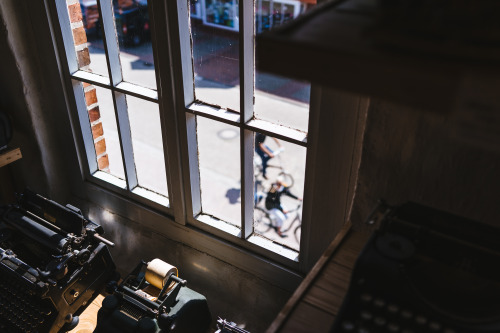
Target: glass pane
(278, 99)
(87, 36)
(104, 129)
(219, 160)
(279, 182)
(216, 54)
(147, 143)
(136, 51)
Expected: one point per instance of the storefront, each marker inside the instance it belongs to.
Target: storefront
(268, 13)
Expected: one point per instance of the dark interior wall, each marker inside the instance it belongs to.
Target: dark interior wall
(31, 93)
(415, 155)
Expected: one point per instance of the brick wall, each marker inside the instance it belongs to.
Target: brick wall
(83, 56)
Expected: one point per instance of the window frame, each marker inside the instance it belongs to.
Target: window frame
(119, 89)
(170, 23)
(243, 120)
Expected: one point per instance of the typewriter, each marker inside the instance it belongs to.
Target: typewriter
(52, 262)
(152, 298)
(224, 326)
(424, 270)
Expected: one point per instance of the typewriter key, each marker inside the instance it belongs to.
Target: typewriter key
(406, 314)
(434, 326)
(392, 308)
(379, 303)
(393, 327)
(348, 326)
(380, 321)
(366, 315)
(421, 320)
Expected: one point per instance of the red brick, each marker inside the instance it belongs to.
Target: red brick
(75, 12)
(90, 97)
(103, 162)
(83, 58)
(97, 130)
(100, 147)
(94, 114)
(79, 36)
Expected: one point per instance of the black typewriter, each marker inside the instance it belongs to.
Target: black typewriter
(424, 270)
(151, 299)
(52, 262)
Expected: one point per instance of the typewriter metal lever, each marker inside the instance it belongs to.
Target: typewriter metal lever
(57, 268)
(104, 240)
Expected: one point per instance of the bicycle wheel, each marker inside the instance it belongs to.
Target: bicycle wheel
(297, 232)
(261, 221)
(287, 179)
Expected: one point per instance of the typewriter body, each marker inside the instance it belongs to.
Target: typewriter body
(152, 298)
(424, 270)
(52, 261)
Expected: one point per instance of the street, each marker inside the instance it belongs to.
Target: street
(280, 100)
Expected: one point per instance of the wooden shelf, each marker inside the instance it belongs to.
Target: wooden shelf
(342, 44)
(10, 156)
(316, 302)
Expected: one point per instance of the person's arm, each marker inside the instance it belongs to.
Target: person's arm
(290, 194)
(277, 142)
(263, 147)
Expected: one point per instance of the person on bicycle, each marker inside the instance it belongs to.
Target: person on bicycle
(274, 206)
(265, 153)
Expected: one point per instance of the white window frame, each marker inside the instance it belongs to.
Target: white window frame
(119, 89)
(244, 120)
(178, 108)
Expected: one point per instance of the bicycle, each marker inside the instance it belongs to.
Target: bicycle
(298, 218)
(263, 221)
(285, 176)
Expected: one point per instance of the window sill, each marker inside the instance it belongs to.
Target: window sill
(257, 240)
(257, 255)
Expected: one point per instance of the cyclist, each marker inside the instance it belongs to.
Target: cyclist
(273, 203)
(264, 151)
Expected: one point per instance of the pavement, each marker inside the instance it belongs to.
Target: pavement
(280, 100)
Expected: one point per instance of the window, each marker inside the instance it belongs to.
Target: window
(170, 109)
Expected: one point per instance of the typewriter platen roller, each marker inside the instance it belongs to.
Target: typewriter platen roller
(152, 298)
(52, 262)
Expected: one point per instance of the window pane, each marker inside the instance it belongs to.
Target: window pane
(288, 167)
(104, 128)
(136, 52)
(147, 144)
(281, 100)
(216, 54)
(219, 159)
(87, 36)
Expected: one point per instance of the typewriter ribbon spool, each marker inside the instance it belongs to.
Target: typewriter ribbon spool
(158, 271)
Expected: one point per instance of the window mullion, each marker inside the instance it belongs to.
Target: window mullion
(67, 35)
(86, 129)
(112, 51)
(125, 136)
(159, 18)
(110, 41)
(246, 45)
(183, 87)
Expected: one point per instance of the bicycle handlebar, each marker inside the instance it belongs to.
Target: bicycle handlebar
(278, 151)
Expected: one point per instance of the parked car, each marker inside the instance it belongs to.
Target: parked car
(90, 17)
(131, 20)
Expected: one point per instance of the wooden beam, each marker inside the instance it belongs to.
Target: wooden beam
(10, 156)
(282, 317)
